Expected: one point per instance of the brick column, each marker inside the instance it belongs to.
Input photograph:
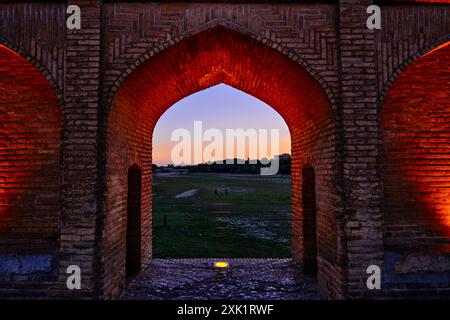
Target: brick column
(362, 181)
(79, 194)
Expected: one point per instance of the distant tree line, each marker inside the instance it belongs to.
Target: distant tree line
(237, 166)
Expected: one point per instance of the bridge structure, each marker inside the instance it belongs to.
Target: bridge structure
(368, 112)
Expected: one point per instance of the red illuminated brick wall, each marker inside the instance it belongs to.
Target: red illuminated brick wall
(416, 154)
(416, 177)
(36, 29)
(315, 145)
(30, 135)
(407, 31)
(305, 32)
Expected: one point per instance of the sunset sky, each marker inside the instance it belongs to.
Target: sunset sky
(221, 107)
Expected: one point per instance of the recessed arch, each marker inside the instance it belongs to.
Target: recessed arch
(415, 126)
(133, 236)
(309, 220)
(219, 55)
(30, 135)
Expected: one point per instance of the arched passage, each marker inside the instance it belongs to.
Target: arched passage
(133, 238)
(203, 211)
(416, 161)
(309, 203)
(217, 56)
(30, 136)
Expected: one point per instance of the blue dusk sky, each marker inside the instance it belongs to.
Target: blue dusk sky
(222, 107)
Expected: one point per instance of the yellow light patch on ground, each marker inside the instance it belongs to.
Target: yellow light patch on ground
(221, 264)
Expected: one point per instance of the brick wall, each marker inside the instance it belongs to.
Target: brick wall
(36, 31)
(314, 144)
(79, 155)
(30, 129)
(304, 32)
(407, 32)
(129, 141)
(362, 185)
(416, 157)
(30, 135)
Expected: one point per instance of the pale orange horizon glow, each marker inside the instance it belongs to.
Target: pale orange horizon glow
(163, 154)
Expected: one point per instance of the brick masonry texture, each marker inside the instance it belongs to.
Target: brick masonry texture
(30, 135)
(362, 187)
(415, 123)
(30, 175)
(208, 58)
(366, 109)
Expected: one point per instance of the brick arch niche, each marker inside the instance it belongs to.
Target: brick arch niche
(218, 55)
(30, 182)
(416, 171)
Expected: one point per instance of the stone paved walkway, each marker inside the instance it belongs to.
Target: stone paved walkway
(246, 279)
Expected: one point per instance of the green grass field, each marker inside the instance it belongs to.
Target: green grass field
(249, 217)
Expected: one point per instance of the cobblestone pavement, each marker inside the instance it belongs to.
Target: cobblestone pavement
(198, 279)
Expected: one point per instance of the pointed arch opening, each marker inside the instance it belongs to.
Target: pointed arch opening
(203, 207)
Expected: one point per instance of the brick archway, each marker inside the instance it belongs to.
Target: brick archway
(415, 125)
(385, 89)
(44, 71)
(213, 56)
(224, 24)
(30, 169)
